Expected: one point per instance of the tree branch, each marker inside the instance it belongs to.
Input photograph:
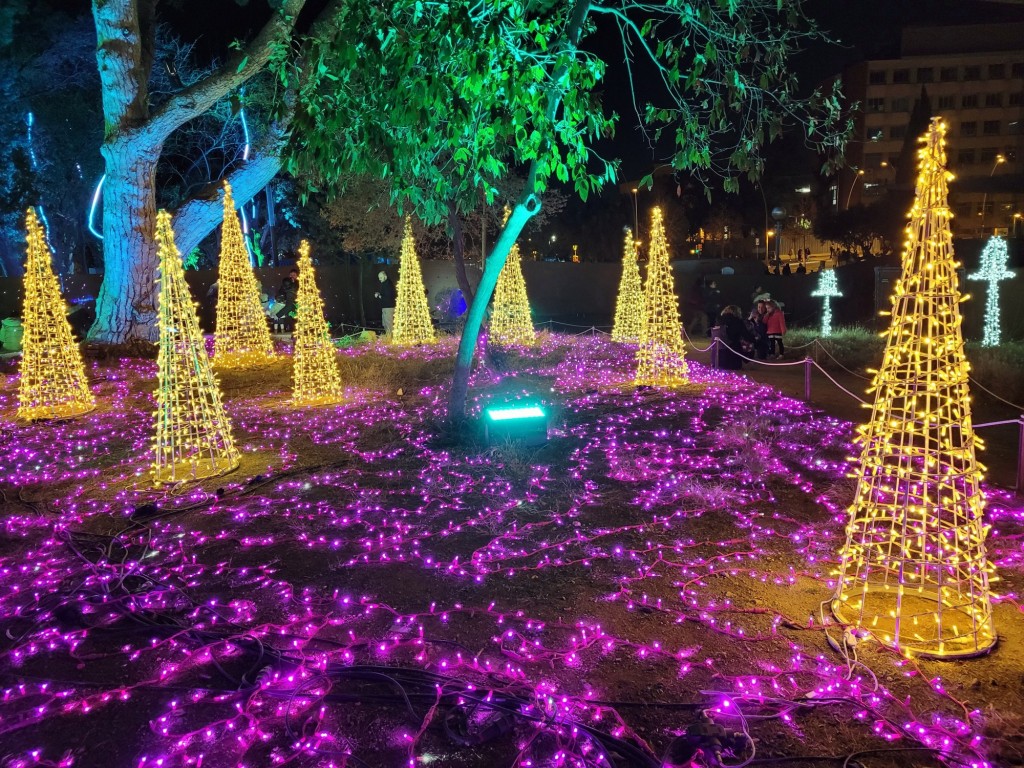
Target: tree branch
(195, 219)
(201, 96)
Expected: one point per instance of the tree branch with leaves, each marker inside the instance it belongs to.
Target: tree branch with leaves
(444, 100)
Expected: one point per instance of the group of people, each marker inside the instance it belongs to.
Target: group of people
(758, 335)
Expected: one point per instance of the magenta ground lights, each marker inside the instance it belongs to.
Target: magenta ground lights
(665, 549)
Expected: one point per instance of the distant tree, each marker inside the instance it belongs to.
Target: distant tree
(723, 223)
(445, 99)
(857, 228)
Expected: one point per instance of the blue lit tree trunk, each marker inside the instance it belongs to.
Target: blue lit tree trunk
(134, 137)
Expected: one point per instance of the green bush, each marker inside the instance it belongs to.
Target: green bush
(851, 347)
(999, 369)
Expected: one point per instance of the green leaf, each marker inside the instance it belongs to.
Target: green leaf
(242, 63)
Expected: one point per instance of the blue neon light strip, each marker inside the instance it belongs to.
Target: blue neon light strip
(30, 120)
(507, 414)
(90, 222)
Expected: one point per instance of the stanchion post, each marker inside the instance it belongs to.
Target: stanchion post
(1020, 457)
(714, 351)
(808, 363)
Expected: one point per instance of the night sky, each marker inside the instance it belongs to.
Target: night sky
(864, 29)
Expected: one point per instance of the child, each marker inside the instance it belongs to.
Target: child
(775, 324)
(755, 322)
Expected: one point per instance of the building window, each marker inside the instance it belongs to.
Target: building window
(972, 73)
(969, 102)
(966, 157)
(1016, 99)
(996, 71)
(897, 131)
(876, 105)
(1017, 70)
(947, 74)
(877, 77)
(947, 102)
(901, 105)
(993, 99)
(876, 134)
(969, 128)
(925, 74)
(901, 75)
(988, 155)
(1014, 128)
(990, 128)
(872, 159)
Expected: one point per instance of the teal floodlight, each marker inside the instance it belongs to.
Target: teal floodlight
(526, 422)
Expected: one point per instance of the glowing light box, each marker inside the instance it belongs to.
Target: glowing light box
(524, 422)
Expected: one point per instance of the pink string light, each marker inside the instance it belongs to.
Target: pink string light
(231, 619)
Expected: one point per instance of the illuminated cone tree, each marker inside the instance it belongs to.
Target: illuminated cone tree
(53, 383)
(992, 270)
(317, 381)
(828, 287)
(511, 325)
(629, 307)
(913, 570)
(661, 359)
(193, 434)
(412, 313)
(242, 339)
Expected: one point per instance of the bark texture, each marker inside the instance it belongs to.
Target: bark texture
(133, 141)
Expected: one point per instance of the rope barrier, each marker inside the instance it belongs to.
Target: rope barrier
(993, 394)
(858, 398)
(760, 362)
(574, 325)
(802, 346)
(996, 423)
(695, 347)
(836, 361)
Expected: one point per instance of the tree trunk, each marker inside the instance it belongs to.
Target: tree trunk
(361, 283)
(521, 214)
(199, 217)
(133, 139)
(126, 305)
(525, 209)
(459, 253)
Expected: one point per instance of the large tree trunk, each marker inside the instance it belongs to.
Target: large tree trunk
(134, 137)
(126, 306)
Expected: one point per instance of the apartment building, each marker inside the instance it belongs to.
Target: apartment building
(974, 78)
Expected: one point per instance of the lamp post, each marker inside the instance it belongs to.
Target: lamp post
(1016, 222)
(984, 198)
(849, 196)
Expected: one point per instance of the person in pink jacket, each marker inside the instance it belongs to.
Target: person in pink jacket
(775, 323)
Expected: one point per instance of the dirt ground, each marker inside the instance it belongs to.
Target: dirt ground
(370, 588)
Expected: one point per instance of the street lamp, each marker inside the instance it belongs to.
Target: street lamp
(856, 178)
(1016, 222)
(984, 198)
